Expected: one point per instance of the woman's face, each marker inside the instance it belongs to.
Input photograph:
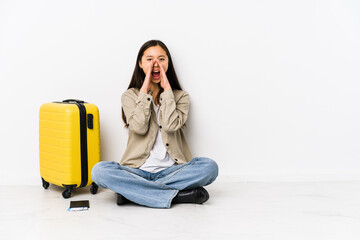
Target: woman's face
(150, 54)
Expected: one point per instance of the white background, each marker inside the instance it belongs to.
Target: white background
(274, 85)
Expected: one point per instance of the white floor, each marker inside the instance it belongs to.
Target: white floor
(323, 210)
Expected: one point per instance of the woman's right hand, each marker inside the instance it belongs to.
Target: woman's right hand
(147, 81)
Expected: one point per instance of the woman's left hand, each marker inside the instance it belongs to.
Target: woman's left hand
(164, 83)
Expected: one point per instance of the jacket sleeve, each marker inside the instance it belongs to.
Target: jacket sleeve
(137, 111)
(173, 113)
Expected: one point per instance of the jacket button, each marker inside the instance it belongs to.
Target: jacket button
(176, 160)
(160, 126)
(167, 144)
(160, 99)
(148, 99)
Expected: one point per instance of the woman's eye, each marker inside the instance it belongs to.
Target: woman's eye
(149, 59)
(162, 59)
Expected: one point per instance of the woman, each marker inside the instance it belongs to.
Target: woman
(157, 168)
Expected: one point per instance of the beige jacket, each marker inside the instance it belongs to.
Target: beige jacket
(143, 126)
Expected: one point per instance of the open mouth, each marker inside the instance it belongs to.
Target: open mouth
(156, 74)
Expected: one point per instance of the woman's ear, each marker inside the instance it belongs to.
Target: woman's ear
(140, 64)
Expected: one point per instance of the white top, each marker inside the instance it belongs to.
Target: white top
(159, 158)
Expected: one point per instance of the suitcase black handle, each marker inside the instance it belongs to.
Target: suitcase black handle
(74, 100)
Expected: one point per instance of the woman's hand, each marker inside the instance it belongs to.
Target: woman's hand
(147, 81)
(164, 83)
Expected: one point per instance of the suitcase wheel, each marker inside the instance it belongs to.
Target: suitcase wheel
(67, 192)
(94, 188)
(45, 184)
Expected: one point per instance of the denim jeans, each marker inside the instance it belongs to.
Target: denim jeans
(154, 189)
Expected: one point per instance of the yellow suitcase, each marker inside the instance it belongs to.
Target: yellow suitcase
(69, 143)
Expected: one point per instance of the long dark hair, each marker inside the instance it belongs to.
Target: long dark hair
(138, 76)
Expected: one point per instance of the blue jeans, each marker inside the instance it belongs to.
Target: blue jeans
(154, 189)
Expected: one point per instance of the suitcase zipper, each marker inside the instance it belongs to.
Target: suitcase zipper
(83, 140)
(83, 144)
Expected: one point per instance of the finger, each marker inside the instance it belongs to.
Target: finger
(151, 66)
(149, 70)
(157, 60)
(163, 78)
(162, 72)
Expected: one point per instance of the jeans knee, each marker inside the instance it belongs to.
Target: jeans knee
(96, 172)
(211, 169)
